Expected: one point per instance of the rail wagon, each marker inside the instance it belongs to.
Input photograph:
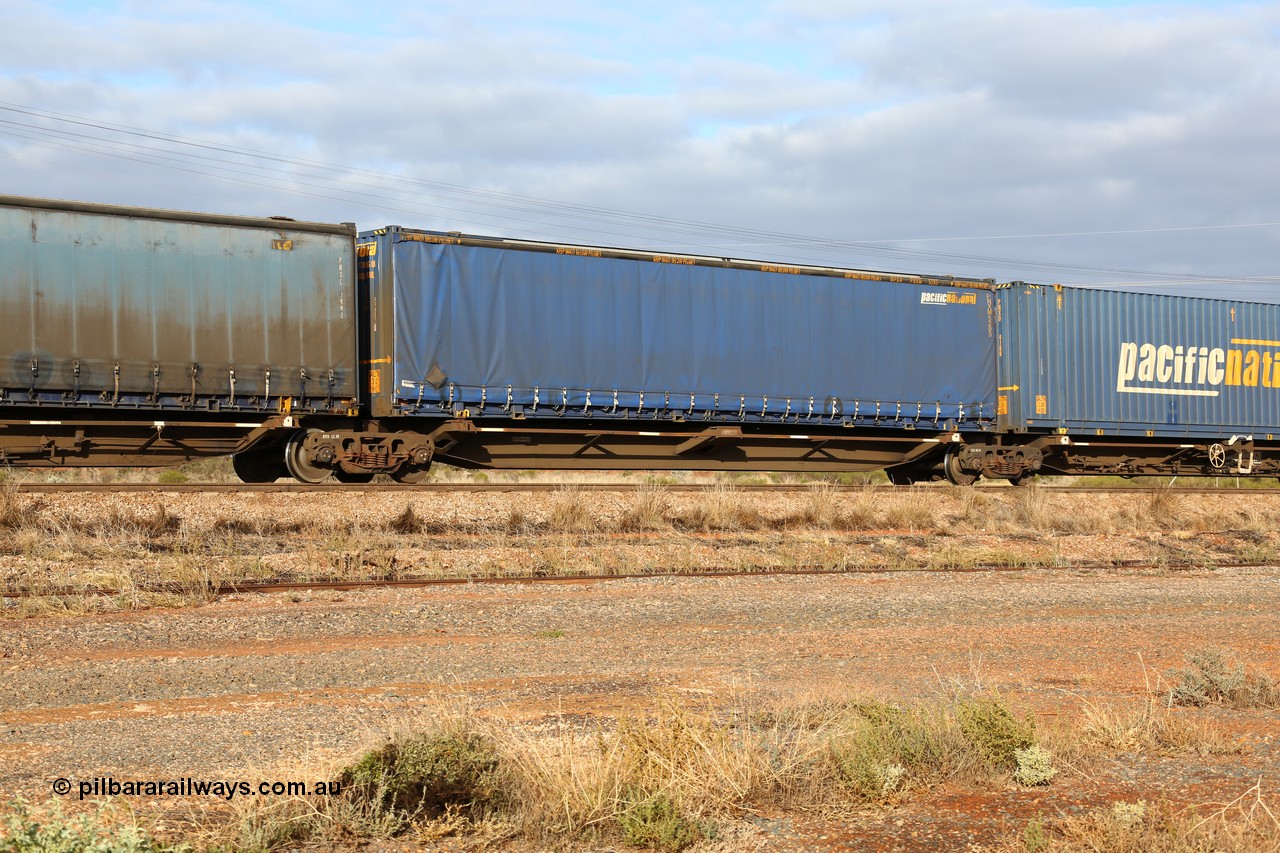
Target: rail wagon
(132, 336)
(496, 353)
(1097, 381)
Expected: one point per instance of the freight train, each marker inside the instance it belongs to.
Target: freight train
(140, 337)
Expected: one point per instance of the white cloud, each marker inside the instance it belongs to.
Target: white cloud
(848, 120)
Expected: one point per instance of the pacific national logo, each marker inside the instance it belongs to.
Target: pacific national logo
(1192, 371)
(947, 297)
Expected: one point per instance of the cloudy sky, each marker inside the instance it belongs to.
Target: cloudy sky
(1074, 142)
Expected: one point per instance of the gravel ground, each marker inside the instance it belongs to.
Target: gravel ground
(283, 687)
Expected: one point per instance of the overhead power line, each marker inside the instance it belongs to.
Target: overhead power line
(405, 194)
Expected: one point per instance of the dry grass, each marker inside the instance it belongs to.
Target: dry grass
(141, 542)
(1247, 824)
(1151, 727)
(684, 772)
(571, 511)
(647, 510)
(721, 510)
(663, 781)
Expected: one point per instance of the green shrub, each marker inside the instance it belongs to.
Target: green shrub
(883, 748)
(172, 477)
(425, 775)
(59, 833)
(994, 731)
(1213, 677)
(1034, 837)
(655, 821)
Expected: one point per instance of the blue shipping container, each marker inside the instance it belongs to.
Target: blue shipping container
(1102, 362)
(507, 328)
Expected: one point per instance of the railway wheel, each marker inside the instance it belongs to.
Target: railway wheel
(258, 466)
(1023, 479)
(956, 475)
(356, 478)
(298, 465)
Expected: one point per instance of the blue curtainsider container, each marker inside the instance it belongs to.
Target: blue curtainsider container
(130, 308)
(499, 328)
(1100, 362)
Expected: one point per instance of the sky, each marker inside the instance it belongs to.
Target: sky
(1124, 144)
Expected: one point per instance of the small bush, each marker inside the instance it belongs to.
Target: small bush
(656, 822)
(1034, 837)
(172, 477)
(991, 727)
(425, 775)
(59, 833)
(1164, 508)
(406, 523)
(1034, 766)
(875, 747)
(1213, 677)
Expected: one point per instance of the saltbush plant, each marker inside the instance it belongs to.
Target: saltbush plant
(1214, 677)
(57, 832)
(427, 774)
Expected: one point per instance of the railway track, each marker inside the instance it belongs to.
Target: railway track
(428, 488)
(340, 585)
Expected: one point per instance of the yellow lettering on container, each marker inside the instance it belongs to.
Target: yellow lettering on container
(1251, 368)
(1235, 361)
(429, 238)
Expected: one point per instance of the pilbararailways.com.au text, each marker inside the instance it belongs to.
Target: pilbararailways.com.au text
(227, 789)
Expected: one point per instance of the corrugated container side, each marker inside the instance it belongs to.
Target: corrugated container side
(504, 331)
(129, 307)
(1086, 360)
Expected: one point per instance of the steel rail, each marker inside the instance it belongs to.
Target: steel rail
(500, 488)
(244, 587)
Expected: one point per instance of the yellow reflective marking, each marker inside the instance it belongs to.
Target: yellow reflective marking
(1254, 342)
